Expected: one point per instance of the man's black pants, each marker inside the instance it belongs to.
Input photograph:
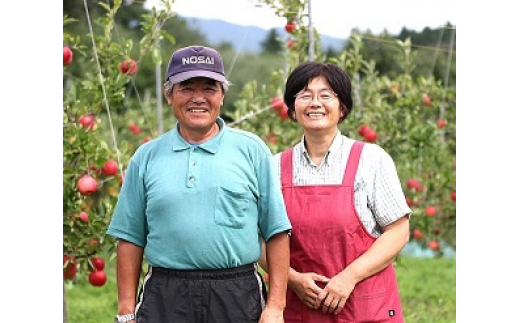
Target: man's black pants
(235, 295)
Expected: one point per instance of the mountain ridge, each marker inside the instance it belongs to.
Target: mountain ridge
(247, 38)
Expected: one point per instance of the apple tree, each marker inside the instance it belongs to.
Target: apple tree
(411, 118)
(94, 158)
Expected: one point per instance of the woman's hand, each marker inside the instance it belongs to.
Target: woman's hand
(334, 295)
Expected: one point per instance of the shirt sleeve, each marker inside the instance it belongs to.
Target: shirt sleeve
(386, 200)
(129, 220)
(273, 217)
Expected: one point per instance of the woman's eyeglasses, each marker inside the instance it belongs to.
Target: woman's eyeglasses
(306, 97)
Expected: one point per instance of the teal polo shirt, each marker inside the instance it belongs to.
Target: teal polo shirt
(200, 207)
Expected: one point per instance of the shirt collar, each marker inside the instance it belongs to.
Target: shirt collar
(211, 146)
(334, 148)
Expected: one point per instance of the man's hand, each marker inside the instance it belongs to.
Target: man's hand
(304, 285)
(271, 314)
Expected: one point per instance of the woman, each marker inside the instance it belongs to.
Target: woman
(346, 205)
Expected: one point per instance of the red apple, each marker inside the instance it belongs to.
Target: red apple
(433, 245)
(413, 183)
(93, 243)
(284, 113)
(290, 43)
(426, 100)
(409, 202)
(87, 185)
(290, 26)
(266, 278)
(87, 120)
(362, 128)
(83, 216)
(67, 55)
(93, 246)
(147, 139)
(98, 263)
(272, 138)
(69, 267)
(417, 234)
(370, 135)
(441, 123)
(430, 210)
(453, 195)
(277, 103)
(134, 128)
(110, 168)
(97, 278)
(128, 66)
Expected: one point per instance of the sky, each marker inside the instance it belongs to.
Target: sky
(335, 18)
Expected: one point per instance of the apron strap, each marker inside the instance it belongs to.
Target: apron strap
(352, 163)
(286, 167)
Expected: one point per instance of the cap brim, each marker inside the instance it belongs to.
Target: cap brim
(177, 78)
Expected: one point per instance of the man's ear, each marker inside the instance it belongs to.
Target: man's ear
(166, 96)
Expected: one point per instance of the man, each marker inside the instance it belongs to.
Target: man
(197, 202)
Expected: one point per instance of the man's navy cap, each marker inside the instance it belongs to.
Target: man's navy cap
(195, 61)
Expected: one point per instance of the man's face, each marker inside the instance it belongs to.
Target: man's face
(196, 104)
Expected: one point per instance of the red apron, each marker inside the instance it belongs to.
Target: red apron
(327, 235)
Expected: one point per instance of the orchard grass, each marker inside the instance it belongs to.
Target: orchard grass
(427, 288)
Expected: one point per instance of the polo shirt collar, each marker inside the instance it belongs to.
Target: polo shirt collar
(211, 146)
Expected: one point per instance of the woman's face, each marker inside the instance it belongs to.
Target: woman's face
(317, 108)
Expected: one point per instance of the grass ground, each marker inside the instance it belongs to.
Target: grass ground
(427, 288)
